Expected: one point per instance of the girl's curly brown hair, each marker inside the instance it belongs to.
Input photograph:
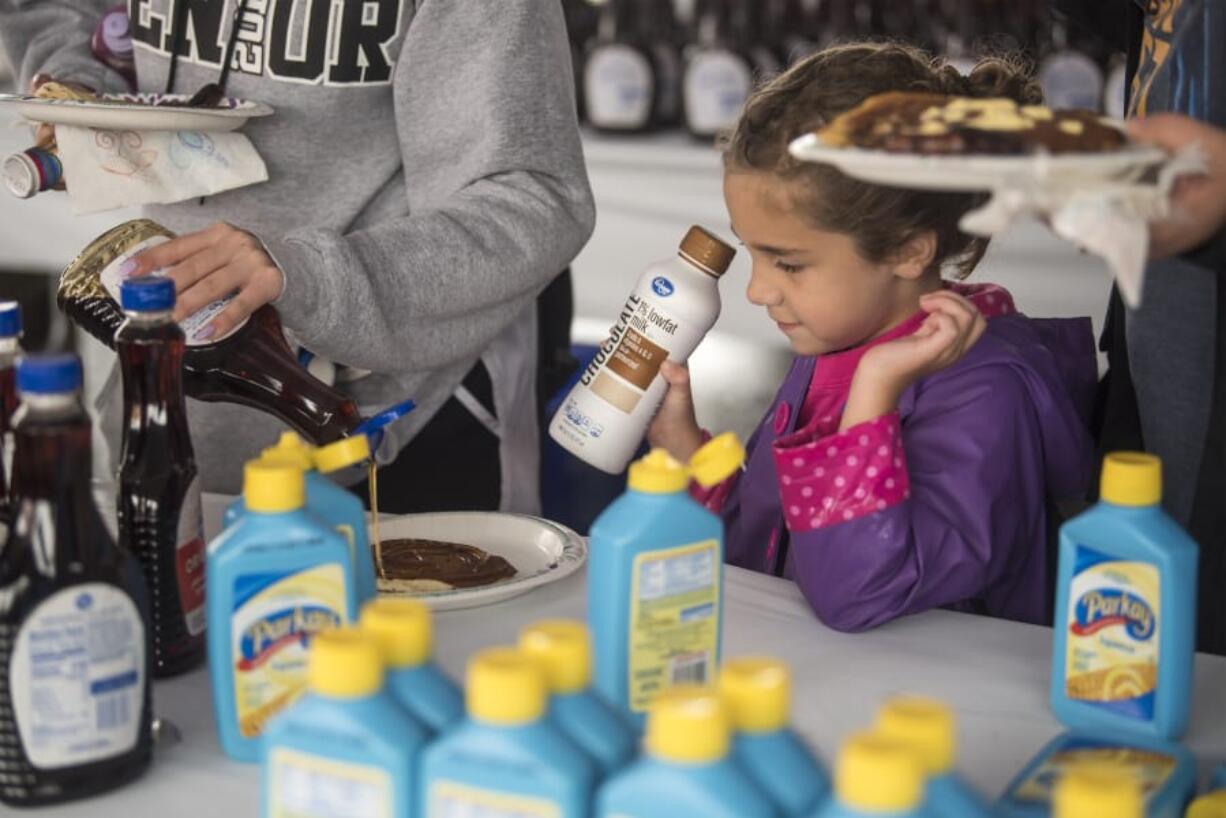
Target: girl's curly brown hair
(826, 84)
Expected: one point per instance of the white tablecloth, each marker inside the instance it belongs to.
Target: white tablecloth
(993, 673)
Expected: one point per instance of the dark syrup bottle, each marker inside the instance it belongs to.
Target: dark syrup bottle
(10, 349)
(75, 658)
(719, 71)
(159, 509)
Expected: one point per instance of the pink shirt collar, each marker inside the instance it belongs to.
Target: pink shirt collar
(833, 373)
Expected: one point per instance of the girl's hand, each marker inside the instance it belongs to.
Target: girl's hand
(952, 327)
(675, 427)
(212, 264)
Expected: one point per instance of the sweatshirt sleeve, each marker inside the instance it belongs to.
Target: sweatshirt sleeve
(53, 37)
(887, 520)
(499, 202)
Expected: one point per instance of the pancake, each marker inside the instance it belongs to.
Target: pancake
(425, 566)
(938, 125)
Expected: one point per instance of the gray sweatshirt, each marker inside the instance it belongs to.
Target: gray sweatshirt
(426, 181)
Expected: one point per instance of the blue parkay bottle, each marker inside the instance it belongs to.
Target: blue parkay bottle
(405, 634)
(564, 649)
(506, 758)
(1218, 780)
(1168, 770)
(876, 777)
(1125, 620)
(346, 747)
(655, 595)
(330, 503)
(275, 578)
(688, 767)
(927, 727)
(758, 695)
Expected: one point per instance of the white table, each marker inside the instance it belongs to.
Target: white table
(993, 673)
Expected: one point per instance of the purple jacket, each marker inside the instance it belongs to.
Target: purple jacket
(943, 504)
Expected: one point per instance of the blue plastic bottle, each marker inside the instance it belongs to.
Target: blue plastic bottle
(687, 768)
(656, 574)
(346, 747)
(275, 578)
(564, 649)
(758, 695)
(927, 727)
(329, 502)
(876, 777)
(405, 634)
(506, 758)
(1125, 619)
(1168, 770)
(1217, 781)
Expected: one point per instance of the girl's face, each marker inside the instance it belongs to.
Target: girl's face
(823, 295)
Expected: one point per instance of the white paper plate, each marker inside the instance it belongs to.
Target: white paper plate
(542, 552)
(982, 172)
(136, 112)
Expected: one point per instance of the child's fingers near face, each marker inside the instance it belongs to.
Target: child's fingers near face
(949, 303)
(969, 322)
(944, 326)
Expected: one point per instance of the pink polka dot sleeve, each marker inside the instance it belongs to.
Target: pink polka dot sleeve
(842, 477)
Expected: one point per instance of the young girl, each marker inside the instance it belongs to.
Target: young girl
(912, 453)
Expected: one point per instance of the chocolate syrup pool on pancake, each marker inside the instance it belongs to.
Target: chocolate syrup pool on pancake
(461, 566)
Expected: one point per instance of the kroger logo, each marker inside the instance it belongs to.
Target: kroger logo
(662, 286)
(1097, 610)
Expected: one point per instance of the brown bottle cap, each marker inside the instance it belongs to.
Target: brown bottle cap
(707, 251)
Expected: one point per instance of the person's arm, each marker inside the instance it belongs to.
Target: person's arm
(888, 521)
(497, 195)
(497, 187)
(53, 37)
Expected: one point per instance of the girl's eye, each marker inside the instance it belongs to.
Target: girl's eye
(788, 268)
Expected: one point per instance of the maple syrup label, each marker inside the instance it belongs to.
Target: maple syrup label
(99, 266)
(190, 560)
(1071, 80)
(620, 88)
(77, 677)
(717, 84)
(194, 325)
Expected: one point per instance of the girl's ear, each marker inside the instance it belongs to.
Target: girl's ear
(916, 255)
